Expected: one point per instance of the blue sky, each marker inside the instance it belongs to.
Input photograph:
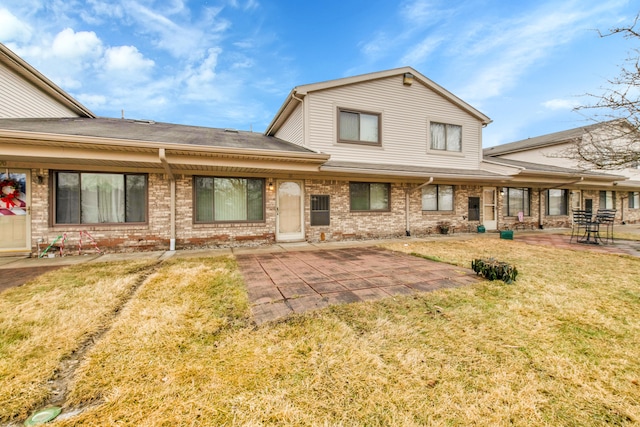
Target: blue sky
(231, 63)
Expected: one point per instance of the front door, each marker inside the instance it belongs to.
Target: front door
(489, 208)
(15, 215)
(289, 211)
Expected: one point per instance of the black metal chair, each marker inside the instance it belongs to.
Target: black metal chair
(606, 218)
(581, 219)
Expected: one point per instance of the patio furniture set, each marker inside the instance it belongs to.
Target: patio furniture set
(594, 229)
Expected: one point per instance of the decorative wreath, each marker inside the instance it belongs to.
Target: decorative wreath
(8, 198)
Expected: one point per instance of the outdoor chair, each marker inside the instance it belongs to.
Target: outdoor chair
(581, 218)
(606, 218)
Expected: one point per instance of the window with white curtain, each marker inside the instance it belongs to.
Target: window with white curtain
(446, 137)
(557, 202)
(358, 127)
(228, 199)
(437, 198)
(99, 198)
(517, 200)
(607, 200)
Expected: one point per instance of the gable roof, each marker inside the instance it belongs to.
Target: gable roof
(37, 79)
(547, 140)
(299, 92)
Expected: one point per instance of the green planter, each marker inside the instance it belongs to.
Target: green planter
(506, 234)
(481, 229)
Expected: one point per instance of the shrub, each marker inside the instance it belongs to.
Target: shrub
(494, 270)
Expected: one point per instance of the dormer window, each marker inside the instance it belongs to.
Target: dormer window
(358, 127)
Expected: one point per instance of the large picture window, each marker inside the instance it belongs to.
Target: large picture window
(557, 202)
(607, 200)
(98, 198)
(358, 127)
(446, 137)
(228, 199)
(437, 198)
(517, 200)
(367, 196)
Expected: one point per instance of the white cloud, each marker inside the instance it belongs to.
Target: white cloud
(126, 59)
(560, 104)
(12, 29)
(421, 52)
(71, 45)
(513, 46)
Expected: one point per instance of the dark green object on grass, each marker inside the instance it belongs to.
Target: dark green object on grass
(481, 229)
(494, 270)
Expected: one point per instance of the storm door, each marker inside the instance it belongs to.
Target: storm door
(289, 211)
(15, 225)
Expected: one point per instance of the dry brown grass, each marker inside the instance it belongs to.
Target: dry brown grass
(559, 347)
(44, 321)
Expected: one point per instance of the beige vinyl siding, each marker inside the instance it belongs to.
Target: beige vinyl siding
(20, 99)
(293, 130)
(552, 155)
(405, 112)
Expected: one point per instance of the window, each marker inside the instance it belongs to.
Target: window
(607, 200)
(517, 200)
(320, 210)
(437, 198)
(446, 137)
(634, 200)
(369, 196)
(228, 199)
(357, 127)
(97, 198)
(557, 202)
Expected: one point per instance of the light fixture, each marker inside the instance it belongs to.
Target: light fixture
(407, 80)
(270, 184)
(502, 192)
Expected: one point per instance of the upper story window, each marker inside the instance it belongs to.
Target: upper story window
(446, 137)
(437, 198)
(358, 127)
(517, 200)
(99, 198)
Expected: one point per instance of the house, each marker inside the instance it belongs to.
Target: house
(385, 154)
(604, 188)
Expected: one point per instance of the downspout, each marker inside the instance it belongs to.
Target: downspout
(172, 185)
(406, 204)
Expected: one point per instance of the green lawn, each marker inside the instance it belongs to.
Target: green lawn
(561, 346)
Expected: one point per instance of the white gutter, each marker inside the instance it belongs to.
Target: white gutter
(406, 204)
(172, 184)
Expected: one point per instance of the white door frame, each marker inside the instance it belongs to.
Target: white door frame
(490, 205)
(289, 235)
(24, 216)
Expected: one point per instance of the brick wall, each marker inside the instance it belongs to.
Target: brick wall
(344, 224)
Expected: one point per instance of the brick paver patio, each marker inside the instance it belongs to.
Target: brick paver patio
(294, 282)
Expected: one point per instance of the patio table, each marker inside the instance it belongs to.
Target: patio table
(591, 232)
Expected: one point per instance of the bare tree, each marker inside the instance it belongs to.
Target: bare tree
(615, 143)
